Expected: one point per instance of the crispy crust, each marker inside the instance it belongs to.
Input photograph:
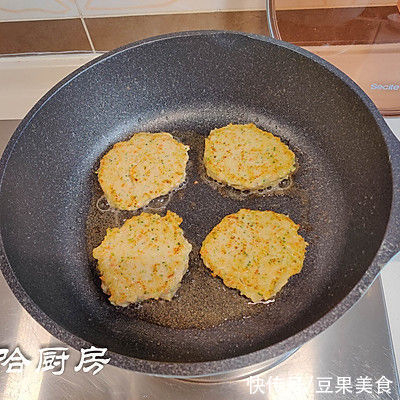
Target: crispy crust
(255, 252)
(247, 158)
(145, 258)
(141, 169)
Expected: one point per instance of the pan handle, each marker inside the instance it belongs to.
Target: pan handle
(391, 243)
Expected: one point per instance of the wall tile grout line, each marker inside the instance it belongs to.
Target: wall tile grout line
(85, 26)
(88, 34)
(47, 53)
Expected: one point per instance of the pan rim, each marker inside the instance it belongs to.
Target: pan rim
(196, 369)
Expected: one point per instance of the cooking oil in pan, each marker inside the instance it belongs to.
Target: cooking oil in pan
(202, 301)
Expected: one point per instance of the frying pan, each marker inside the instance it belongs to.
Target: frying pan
(345, 196)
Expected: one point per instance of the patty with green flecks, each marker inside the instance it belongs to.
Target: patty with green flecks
(255, 252)
(147, 166)
(247, 158)
(145, 258)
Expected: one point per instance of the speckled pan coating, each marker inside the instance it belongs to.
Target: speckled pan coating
(344, 195)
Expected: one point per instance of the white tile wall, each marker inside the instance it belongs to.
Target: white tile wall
(12, 10)
(137, 7)
(94, 8)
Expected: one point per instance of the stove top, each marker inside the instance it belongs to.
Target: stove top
(353, 359)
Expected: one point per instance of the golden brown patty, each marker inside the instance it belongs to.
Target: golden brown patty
(145, 258)
(255, 252)
(137, 171)
(247, 158)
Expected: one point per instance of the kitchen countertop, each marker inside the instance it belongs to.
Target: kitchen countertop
(23, 80)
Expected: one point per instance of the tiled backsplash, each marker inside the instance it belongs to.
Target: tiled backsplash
(101, 34)
(94, 8)
(63, 35)
(13, 10)
(41, 26)
(102, 30)
(17, 10)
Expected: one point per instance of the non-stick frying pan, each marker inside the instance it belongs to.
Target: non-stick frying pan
(345, 196)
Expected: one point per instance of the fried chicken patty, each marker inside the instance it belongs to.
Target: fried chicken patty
(247, 158)
(255, 252)
(141, 169)
(145, 258)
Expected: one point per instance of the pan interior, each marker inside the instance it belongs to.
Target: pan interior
(189, 85)
(203, 301)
